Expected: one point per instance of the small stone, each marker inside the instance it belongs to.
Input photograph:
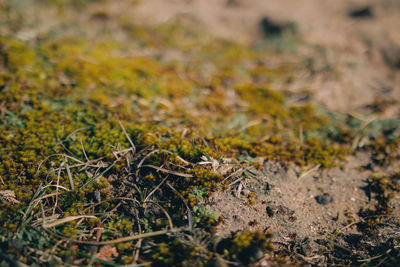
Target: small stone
(272, 28)
(254, 254)
(270, 212)
(324, 199)
(362, 13)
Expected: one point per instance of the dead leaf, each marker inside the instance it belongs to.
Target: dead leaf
(9, 195)
(106, 252)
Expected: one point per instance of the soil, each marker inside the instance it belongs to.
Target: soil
(305, 211)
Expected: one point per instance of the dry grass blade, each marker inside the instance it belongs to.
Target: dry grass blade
(156, 188)
(312, 169)
(129, 238)
(189, 213)
(58, 183)
(376, 257)
(139, 243)
(171, 225)
(236, 181)
(127, 137)
(169, 171)
(66, 219)
(71, 182)
(239, 190)
(97, 176)
(83, 149)
(58, 154)
(146, 157)
(35, 201)
(235, 174)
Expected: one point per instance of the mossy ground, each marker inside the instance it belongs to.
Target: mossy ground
(103, 141)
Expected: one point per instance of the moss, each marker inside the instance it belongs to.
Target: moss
(247, 247)
(380, 187)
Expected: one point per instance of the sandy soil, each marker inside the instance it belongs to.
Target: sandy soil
(304, 210)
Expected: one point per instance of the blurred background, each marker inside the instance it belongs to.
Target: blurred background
(358, 41)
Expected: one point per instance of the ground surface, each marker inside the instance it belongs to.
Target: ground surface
(364, 52)
(312, 157)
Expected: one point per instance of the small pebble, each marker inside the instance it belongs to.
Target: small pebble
(270, 212)
(323, 199)
(362, 13)
(254, 254)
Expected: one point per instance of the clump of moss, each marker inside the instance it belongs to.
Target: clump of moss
(382, 189)
(246, 247)
(384, 151)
